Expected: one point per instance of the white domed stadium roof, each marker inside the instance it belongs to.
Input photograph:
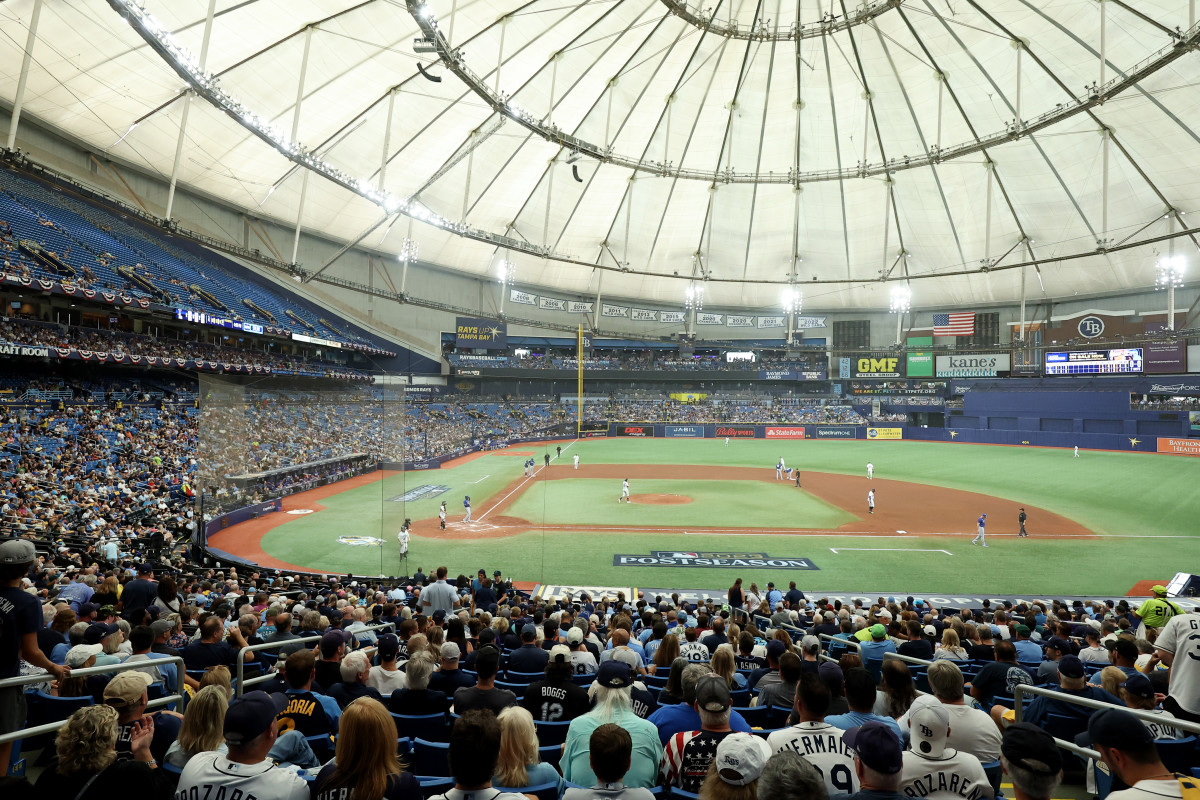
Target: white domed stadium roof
(748, 143)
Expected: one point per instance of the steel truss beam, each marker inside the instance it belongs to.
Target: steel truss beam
(545, 128)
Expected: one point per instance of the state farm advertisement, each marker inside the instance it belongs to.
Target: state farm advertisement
(735, 431)
(784, 433)
(635, 430)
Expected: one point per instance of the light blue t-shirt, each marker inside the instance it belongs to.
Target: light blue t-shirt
(852, 719)
(647, 750)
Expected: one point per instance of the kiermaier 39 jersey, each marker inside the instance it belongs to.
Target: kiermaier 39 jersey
(822, 746)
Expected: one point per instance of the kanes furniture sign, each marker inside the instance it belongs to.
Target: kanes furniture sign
(682, 558)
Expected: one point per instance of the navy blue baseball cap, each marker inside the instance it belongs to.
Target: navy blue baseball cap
(250, 715)
(877, 746)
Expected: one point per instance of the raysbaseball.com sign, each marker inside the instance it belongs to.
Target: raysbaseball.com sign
(683, 558)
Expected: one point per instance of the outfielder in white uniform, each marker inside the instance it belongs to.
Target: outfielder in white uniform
(624, 491)
(727, 441)
(934, 771)
(870, 470)
(403, 537)
(1077, 451)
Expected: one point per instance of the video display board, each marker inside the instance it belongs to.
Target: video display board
(1094, 362)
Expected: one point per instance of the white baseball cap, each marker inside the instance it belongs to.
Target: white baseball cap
(78, 655)
(928, 724)
(741, 758)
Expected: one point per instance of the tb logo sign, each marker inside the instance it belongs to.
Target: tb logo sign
(1091, 327)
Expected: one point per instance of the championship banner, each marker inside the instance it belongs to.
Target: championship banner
(1182, 447)
(524, 298)
(784, 433)
(771, 322)
(552, 304)
(871, 367)
(671, 316)
(608, 310)
(645, 315)
(735, 431)
(889, 434)
(480, 333)
(804, 323)
(708, 319)
(576, 307)
(739, 321)
(684, 431)
(642, 431)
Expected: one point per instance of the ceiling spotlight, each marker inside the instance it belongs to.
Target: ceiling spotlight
(901, 300)
(506, 271)
(693, 297)
(409, 249)
(792, 301)
(1169, 272)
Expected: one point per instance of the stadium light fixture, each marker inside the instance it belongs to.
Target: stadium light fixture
(693, 297)
(506, 272)
(1169, 272)
(409, 249)
(792, 301)
(901, 300)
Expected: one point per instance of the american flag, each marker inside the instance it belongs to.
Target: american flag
(961, 324)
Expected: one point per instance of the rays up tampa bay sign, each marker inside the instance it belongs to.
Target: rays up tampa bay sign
(732, 559)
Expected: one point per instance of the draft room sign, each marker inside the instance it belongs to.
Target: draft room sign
(682, 558)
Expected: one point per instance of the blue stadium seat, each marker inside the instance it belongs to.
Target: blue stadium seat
(431, 727)
(431, 758)
(551, 733)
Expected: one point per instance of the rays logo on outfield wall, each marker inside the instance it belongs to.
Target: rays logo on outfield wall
(360, 541)
(419, 493)
(681, 558)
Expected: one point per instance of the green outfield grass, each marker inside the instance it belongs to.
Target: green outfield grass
(713, 503)
(1144, 507)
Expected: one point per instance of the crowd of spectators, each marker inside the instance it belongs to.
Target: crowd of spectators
(1151, 402)
(743, 411)
(749, 695)
(14, 330)
(645, 360)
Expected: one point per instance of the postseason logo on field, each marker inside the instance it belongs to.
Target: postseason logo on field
(732, 559)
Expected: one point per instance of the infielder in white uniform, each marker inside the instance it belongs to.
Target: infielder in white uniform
(624, 491)
(577, 461)
(403, 536)
(779, 470)
(870, 470)
(871, 501)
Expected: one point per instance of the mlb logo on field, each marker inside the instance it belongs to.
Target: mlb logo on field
(675, 554)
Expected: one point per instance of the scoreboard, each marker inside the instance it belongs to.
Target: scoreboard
(1094, 362)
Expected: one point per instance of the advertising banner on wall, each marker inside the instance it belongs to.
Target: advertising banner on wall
(774, 432)
(735, 431)
(684, 431)
(885, 434)
(1166, 358)
(878, 367)
(920, 357)
(1184, 447)
(480, 333)
(842, 432)
(976, 365)
(643, 431)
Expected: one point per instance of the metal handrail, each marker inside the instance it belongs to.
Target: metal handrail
(1021, 689)
(908, 659)
(242, 680)
(851, 642)
(27, 680)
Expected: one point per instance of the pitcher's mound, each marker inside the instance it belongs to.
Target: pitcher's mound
(660, 499)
